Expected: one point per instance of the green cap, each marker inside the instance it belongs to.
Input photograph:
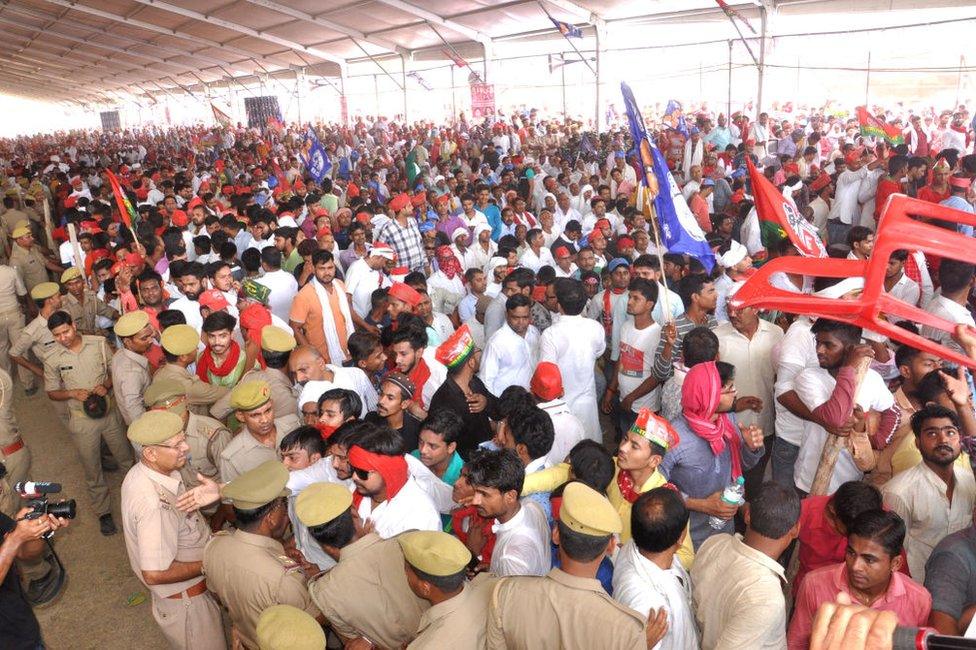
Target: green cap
(258, 487)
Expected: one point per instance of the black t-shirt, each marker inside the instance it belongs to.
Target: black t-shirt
(19, 629)
(409, 431)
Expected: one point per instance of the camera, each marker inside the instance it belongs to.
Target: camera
(66, 508)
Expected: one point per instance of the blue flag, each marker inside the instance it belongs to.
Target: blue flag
(680, 232)
(674, 117)
(315, 159)
(586, 147)
(567, 30)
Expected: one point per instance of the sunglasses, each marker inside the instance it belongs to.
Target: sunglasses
(361, 474)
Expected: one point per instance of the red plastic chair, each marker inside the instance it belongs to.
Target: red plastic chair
(899, 228)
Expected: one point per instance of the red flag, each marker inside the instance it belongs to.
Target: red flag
(129, 214)
(772, 207)
(283, 185)
(453, 56)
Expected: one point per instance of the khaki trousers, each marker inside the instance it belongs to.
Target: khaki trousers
(190, 622)
(87, 434)
(11, 326)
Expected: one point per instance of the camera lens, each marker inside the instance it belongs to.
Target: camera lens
(64, 509)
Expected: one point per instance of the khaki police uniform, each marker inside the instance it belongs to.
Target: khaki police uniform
(244, 452)
(11, 219)
(11, 316)
(207, 438)
(85, 312)
(14, 454)
(31, 265)
(283, 627)
(130, 379)
(251, 572)
(35, 338)
(66, 369)
(282, 394)
(366, 594)
(157, 534)
(458, 622)
(199, 394)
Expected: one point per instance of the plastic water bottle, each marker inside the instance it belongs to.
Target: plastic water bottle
(734, 494)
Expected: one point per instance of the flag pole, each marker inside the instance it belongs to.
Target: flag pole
(651, 214)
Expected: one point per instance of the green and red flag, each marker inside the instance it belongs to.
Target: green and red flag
(779, 218)
(128, 212)
(873, 127)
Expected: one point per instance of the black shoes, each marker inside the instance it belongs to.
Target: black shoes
(106, 525)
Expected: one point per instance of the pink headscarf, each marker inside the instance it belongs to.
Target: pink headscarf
(700, 396)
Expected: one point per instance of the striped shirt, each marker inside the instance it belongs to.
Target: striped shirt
(664, 368)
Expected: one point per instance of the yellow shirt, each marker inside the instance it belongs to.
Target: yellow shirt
(548, 480)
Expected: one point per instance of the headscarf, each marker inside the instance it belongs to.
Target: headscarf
(448, 263)
(700, 396)
(393, 469)
(255, 318)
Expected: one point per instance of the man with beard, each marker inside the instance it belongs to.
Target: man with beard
(388, 500)
(935, 498)
(190, 278)
(260, 434)
(392, 407)
(408, 343)
(320, 314)
(223, 361)
(180, 344)
(165, 546)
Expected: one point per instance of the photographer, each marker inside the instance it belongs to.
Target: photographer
(21, 540)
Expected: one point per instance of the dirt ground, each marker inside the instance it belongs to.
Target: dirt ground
(92, 612)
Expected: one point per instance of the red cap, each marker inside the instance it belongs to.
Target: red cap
(213, 299)
(854, 155)
(179, 218)
(547, 381)
(194, 202)
(71, 202)
(418, 199)
(820, 182)
(405, 293)
(444, 198)
(399, 202)
(323, 231)
(562, 251)
(625, 242)
(133, 259)
(602, 223)
(958, 181)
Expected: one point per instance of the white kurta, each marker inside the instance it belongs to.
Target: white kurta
(410, 509)
(642, 586)
(353, 379)
(567, 427)
(509, 359)
(522, 543)
(361, 282)
(573, 343)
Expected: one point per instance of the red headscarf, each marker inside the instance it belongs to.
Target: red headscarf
(393, 469)
(255, 318)
(448, 263)
(700, 396)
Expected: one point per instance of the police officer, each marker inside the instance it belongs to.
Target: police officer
(76, 370)
(28, 259)
(130, 367)
(384, 610)
(180, 344)
(283, 627)
(91, 315)
(36, 338)
(261, 434)
(165, 545)
(206, 436)
(248, 568)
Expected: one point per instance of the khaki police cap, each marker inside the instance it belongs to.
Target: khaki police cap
(70, 274)
(155, 427)
(258, 487)
(22, 230)
(250, 395)
(45, 290)
(434, 552)
(285, 627)
(275, 339)
(130, 323)
(165, 395)
(180, 339)
(588, 512)
(320, 503)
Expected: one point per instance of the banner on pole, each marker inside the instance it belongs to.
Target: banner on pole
(482, 100)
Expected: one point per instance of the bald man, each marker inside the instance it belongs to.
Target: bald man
(310, 371)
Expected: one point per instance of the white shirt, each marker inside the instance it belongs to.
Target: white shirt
(522, 543)
(906, 289)
(567, 428)
(353, 379)
(754, 369)
(636, 363)
(190, 310)
(509, 359)
(918, 496)
(361, 282)
(573, 343)
(642, 586)
(535, 262)
(321, 471)
(952, 312)
(261, 244)
(283, 287)
(814, 387)
(410, 509)
(796, 351)
(845, 206)
(442, 326)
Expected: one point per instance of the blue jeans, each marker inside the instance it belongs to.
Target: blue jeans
(783, 457)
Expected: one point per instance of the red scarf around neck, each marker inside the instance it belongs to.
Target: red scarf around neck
(205, 364)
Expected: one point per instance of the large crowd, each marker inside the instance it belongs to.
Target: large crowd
(457, 392)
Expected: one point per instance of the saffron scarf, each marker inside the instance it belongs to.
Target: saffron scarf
(393, 469)
(205, 364)
(700, 396)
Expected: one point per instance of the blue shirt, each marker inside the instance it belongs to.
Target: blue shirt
(451, 475)
(959, 203)
(698, 473)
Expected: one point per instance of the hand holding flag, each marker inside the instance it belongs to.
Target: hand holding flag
(773, 208)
